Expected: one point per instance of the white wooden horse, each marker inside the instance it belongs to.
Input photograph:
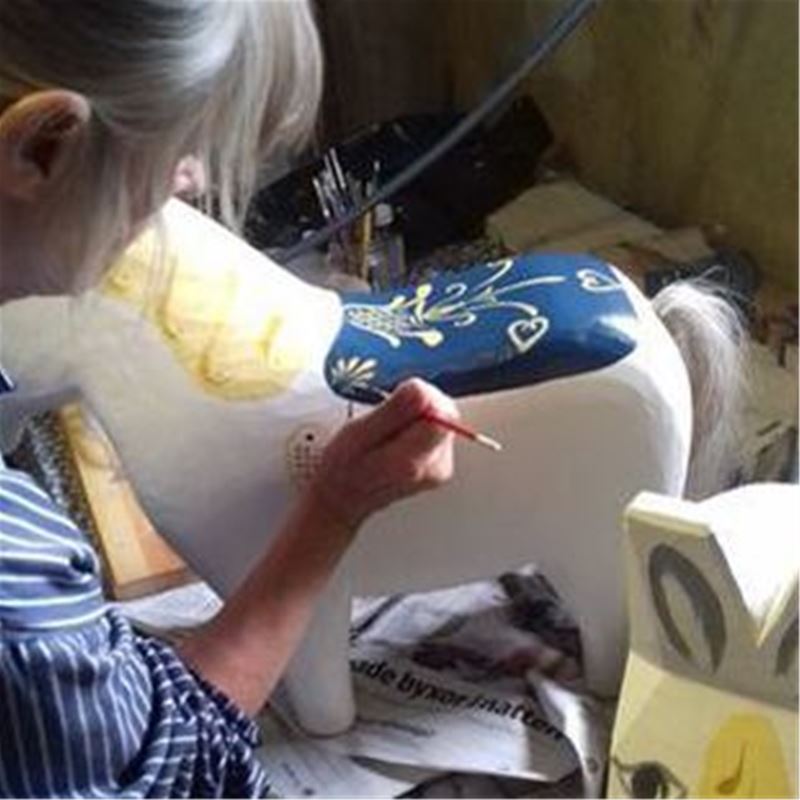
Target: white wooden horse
(220, 383)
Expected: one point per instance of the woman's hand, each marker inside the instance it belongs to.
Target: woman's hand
(385, 455)
(374, 460)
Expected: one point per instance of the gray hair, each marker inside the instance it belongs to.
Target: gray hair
(225, 81)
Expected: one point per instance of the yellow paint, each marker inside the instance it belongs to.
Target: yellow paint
(744, 759)
(224, 322)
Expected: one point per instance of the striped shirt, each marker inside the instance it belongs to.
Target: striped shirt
(88, 707)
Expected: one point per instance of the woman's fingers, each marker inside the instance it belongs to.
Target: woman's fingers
(404, 407)
(394, 451)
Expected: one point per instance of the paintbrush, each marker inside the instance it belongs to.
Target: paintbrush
(462, 430)
(451, 425)
(366, 240)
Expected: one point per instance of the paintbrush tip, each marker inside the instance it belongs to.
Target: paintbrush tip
(487, 441)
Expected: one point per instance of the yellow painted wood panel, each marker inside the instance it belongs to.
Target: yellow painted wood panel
(137, 560)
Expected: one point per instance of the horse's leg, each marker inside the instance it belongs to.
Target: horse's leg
(318, 679)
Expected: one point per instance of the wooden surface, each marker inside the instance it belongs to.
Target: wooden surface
(383, 59)
(685, 111)
(563, 216)
(137, 560)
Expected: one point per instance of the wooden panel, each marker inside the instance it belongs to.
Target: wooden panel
(137, 560)
(383, 58)
(685, 111)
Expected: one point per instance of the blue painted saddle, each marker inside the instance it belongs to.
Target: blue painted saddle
(493, 326)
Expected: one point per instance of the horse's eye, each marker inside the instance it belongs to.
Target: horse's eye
(648, 779)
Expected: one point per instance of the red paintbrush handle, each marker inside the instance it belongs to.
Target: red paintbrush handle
(462, 430)
(449, 424)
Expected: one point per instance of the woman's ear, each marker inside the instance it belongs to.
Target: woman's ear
(39, 135)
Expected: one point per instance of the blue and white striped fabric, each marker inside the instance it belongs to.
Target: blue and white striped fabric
(88, 707)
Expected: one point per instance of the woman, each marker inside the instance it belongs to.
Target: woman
(101, 102)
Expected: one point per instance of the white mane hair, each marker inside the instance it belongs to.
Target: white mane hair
(710, 335)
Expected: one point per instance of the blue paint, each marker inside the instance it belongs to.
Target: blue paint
(493, 326)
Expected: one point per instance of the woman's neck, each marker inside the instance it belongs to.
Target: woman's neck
(27, 266)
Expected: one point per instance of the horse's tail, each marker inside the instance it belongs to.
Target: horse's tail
(710, 335)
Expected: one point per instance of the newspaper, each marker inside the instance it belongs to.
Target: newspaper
(481, 678)
(300, 766)
(479, 683)
(407, 714)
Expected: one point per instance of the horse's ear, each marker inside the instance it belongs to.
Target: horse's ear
(683, 602)
(689, 613)
(779, 640)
